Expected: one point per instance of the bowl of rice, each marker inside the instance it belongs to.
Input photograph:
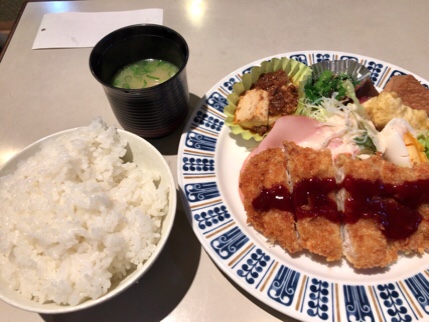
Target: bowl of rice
(84, 214)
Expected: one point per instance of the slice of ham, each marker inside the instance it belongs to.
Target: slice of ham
(302, 130)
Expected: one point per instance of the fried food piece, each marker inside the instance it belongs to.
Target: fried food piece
(265, 170)
(317, 232)
(389, 105)
(252, 110)
(410, 90)
(365, 245)
(418, 242)
(395, 175)
(384, 207)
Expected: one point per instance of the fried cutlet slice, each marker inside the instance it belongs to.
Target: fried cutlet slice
(419, 242)
(266, 170)
(364, 245)
(394, 175)
(313, 180)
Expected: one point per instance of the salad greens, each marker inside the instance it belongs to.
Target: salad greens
(332, 99)
(366, 144)
(423, 138)
(327, 85)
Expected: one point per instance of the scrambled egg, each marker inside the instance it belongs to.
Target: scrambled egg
(387, 105)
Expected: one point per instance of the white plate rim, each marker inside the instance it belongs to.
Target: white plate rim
(290, 291)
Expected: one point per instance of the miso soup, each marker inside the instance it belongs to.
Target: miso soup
(144, 73)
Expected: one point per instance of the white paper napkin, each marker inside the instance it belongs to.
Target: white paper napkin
(85, 29)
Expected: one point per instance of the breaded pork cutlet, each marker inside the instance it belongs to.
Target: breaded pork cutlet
(365, 245)
(400, 176)
(314, 189)
(262, 172)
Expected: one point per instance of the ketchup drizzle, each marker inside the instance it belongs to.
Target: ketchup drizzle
(276, 197)
(394, 207)
(311, 198)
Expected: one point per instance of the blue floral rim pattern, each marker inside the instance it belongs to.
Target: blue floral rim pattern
(297, 293)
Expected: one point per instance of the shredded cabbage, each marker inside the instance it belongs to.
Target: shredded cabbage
(349, 121)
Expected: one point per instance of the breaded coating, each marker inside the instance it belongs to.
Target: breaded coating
(318, 234)
(410, 90)
(368, 211)
(395, 175)
(365, 245)
(388, 105)
(264, 170)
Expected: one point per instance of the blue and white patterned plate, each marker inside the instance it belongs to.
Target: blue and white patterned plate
(209, 162)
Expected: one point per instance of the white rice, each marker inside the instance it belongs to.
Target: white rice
(74, 217)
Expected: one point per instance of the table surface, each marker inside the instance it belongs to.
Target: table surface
(46, 91)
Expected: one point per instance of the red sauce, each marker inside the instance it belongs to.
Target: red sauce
(394, 207)
(276, 197)
(311, 198)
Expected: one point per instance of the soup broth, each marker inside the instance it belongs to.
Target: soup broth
(144, 73)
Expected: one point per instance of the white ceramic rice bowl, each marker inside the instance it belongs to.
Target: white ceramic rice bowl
(145, 155)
